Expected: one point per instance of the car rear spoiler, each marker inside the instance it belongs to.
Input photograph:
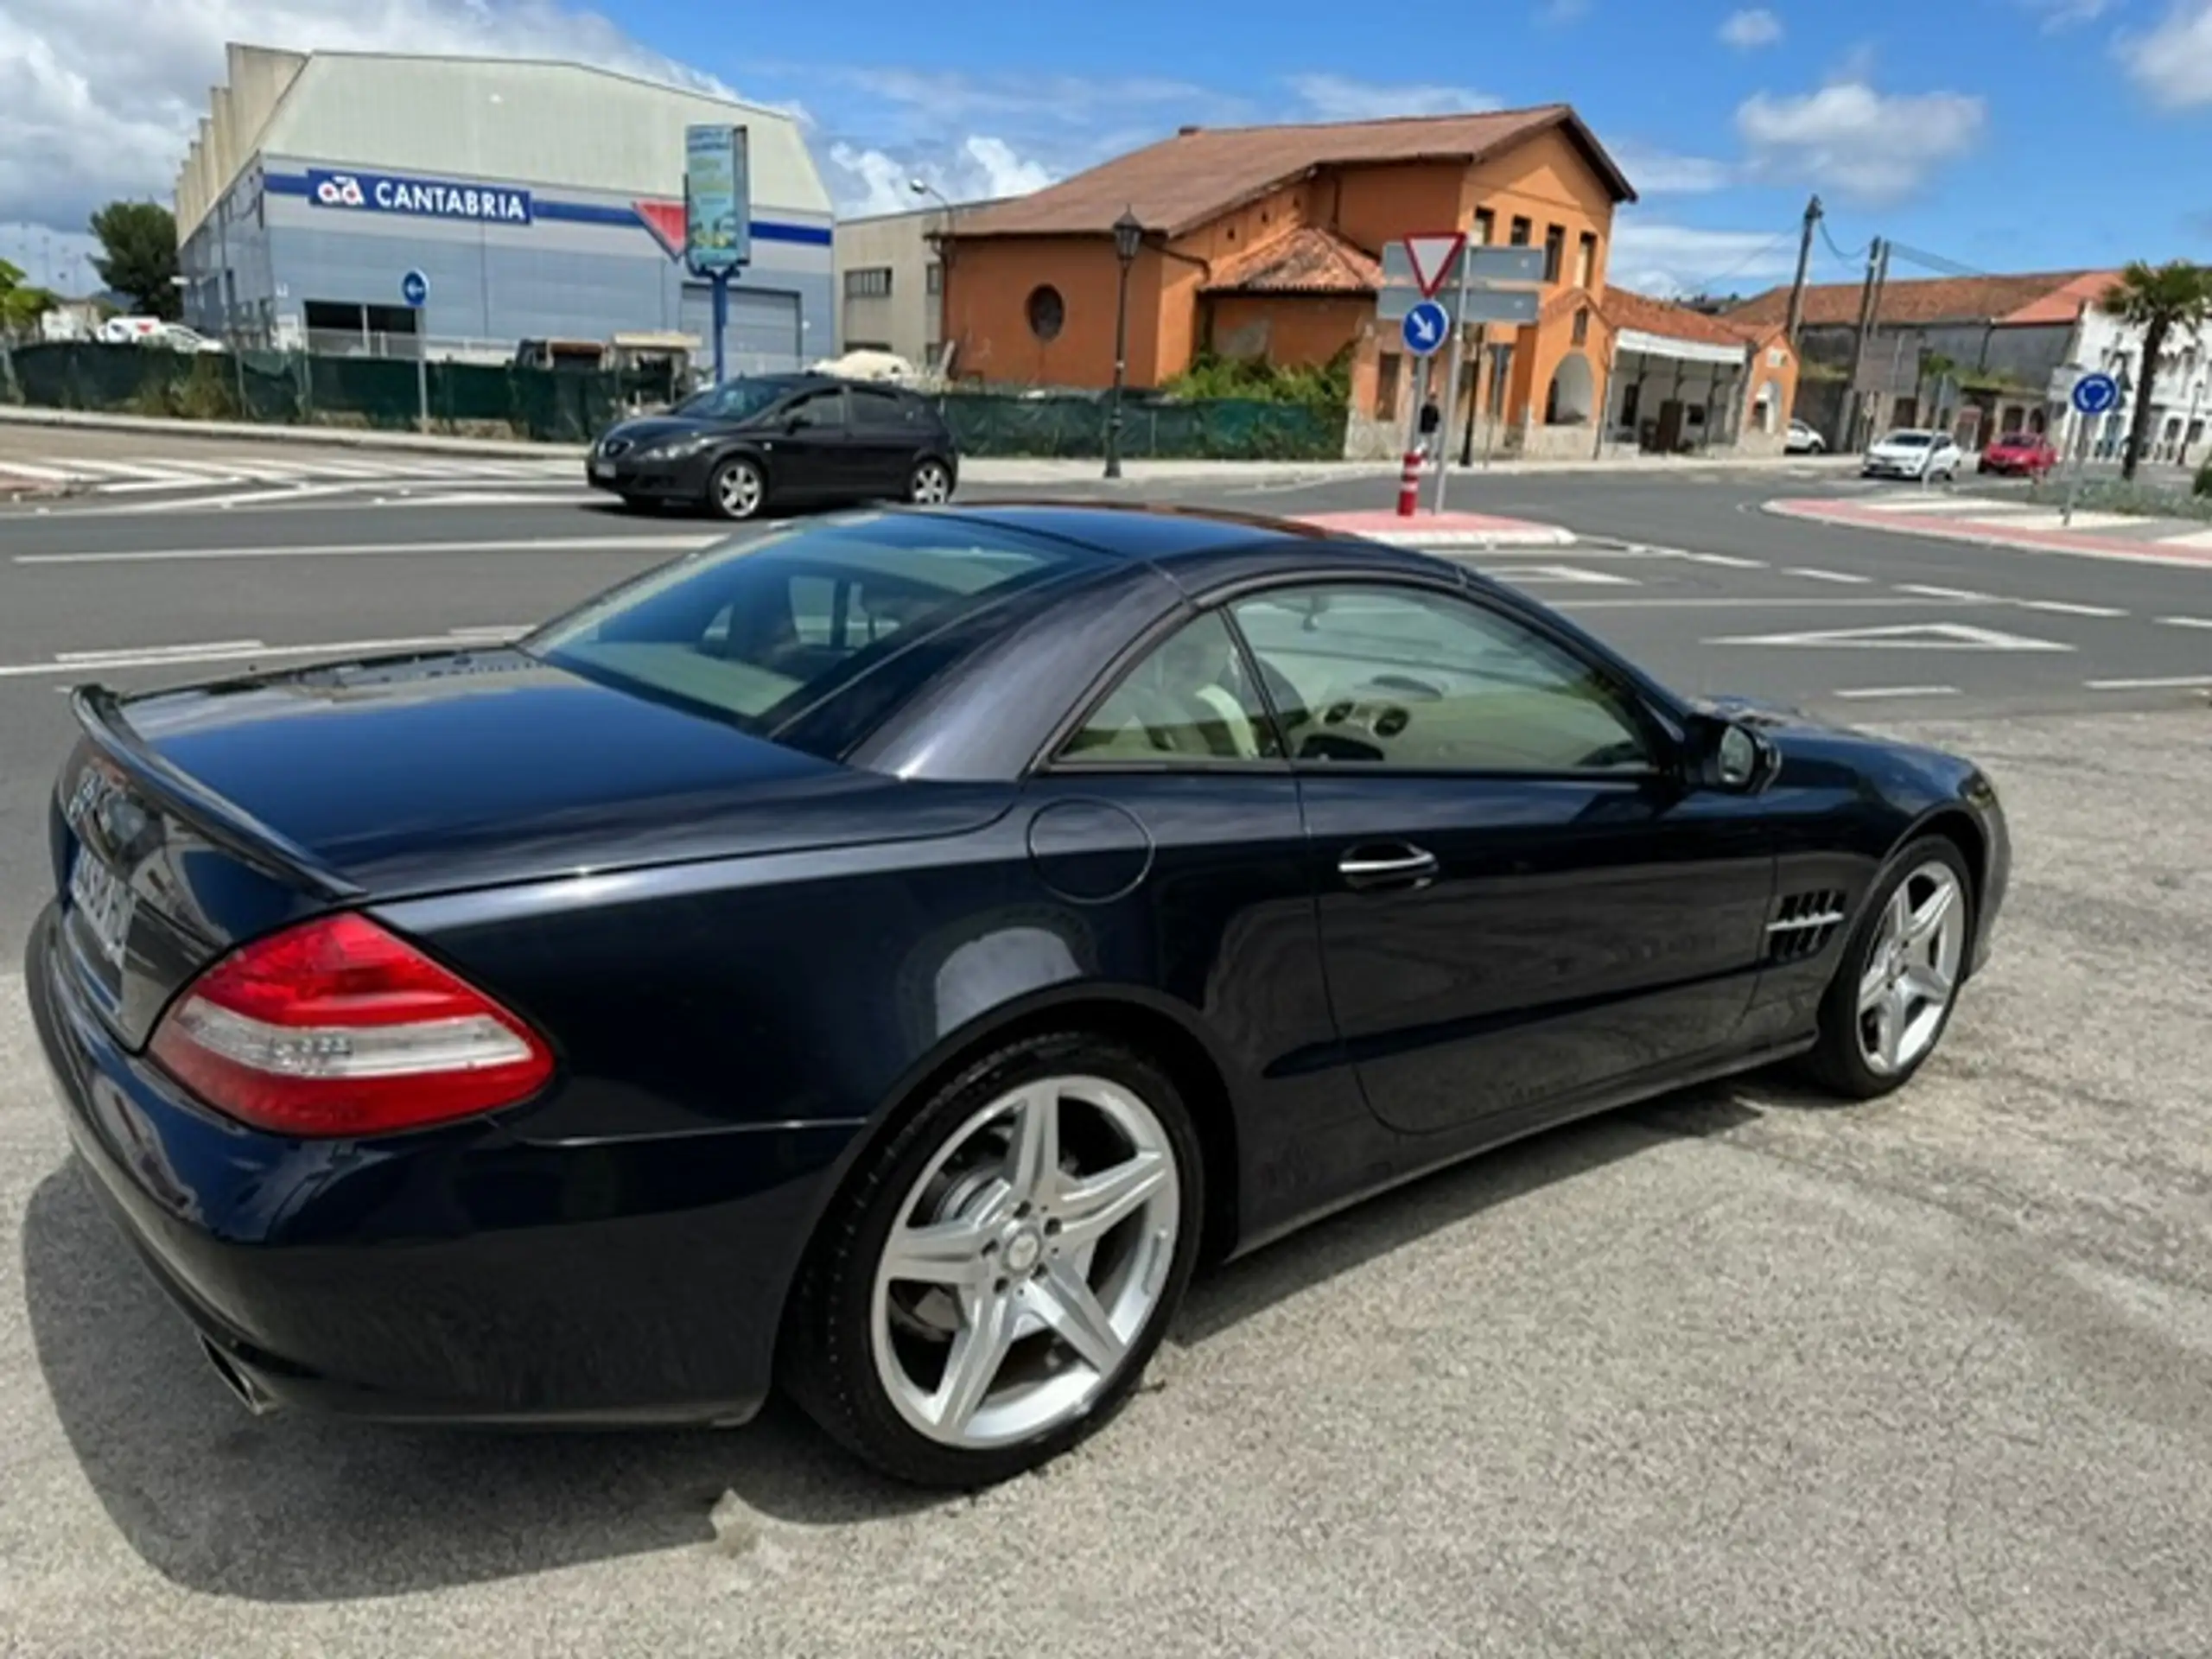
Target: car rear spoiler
(100, 713)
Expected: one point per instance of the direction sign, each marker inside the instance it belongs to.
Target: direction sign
(414, 289)
(1500, 305)
(2095, 393)
(1427, 325)
(1432, 257)
(1506, 265)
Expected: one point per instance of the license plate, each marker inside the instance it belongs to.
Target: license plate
(105, 901)
(602, 469)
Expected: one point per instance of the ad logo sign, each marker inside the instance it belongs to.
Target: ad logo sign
(384, 192)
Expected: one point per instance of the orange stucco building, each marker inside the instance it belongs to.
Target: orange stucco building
(1266, 242)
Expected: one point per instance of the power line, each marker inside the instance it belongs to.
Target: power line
(1848, 258)
(1707, 284)
(1935, 262)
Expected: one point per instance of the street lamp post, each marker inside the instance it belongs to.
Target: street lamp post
(924, 188)
(1128, 237)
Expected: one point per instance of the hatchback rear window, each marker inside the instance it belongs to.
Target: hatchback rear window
(763, 633)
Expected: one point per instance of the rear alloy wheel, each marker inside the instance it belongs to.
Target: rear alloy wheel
(1893, 993)
(990, 1291)
(929, 485)
(737, 490)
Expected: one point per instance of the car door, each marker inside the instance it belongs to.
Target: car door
(806, 444)
(1522, 902)
(1166, 829)
(886, 436)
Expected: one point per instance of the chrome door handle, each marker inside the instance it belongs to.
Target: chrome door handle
(1398, 866)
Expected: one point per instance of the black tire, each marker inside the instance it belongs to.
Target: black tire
(726, 496)
(929, 483)
(1836, 1062)
(827, 1361)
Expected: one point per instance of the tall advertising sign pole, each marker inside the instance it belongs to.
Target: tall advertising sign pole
(717, 218)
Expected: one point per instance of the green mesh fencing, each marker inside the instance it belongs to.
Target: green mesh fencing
(988, 423)
(566, 406)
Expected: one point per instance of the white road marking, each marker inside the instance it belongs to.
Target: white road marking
(1716, 603)
(119, 469)
(1827, 575)
(2169, 683)
(1725, 561)
(365, 550)
(1543, 573)
(2187, 621)
(1902, 636)
(25, 469)
(2067, 608)
(2191, 538)
(1943, 593)
(148, 486)
(171, 656)
(1869, 692)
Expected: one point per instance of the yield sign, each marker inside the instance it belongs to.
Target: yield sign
(1902, 636)
(1432, 258)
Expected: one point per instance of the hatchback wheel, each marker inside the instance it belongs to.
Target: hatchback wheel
(929, 485)
(1893, 992)
(990, 1288)
(737, 490)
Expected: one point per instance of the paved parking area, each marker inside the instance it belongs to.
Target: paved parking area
(1739, 1372)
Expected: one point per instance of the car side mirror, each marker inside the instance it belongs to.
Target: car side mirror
(1731, 756)
(793, 422)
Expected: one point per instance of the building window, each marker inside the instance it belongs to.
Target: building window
(1521, 232)
(1386, 386)
(873, 284)
(1586, 260)
(1554, 250)
(933, 277)
(1048, 313)
(1582, 326)
(1486, 227)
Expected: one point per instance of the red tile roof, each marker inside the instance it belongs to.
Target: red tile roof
(1307, 261)
(1924, 300)
(1182, 182)
(1624, 308)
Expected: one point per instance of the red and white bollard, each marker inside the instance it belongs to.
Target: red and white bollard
(1409, 484)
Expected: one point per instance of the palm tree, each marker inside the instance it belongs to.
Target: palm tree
(2157, 299)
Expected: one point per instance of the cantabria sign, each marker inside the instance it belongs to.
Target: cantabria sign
(382, 193)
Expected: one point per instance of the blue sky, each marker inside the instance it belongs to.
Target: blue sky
(1999, 135)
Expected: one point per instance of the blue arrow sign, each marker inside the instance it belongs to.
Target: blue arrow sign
(2095, 393)
(1426, 328)
(414, 289)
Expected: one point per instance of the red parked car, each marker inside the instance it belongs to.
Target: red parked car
(2028, 454)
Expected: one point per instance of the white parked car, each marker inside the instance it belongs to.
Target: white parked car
(178, 338)
(1804, 441)
(129, 331)
(1913, 452)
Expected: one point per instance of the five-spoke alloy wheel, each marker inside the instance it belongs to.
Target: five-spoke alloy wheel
(738, 489)
(1003, 1269)
(929, 485)
(1893, 992)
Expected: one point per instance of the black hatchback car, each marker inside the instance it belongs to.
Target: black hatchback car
(785, 439)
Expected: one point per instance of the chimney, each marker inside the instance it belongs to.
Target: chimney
(1184, 132)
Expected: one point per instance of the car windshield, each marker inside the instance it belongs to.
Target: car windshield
(1909, 440)
(733, 400)
(2016, 441)
(762, 633)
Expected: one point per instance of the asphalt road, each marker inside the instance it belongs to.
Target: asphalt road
(1739, 1372)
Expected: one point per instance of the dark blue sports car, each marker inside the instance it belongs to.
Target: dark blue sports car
(886, 958)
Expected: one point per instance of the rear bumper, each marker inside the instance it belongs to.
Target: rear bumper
(463, 1275)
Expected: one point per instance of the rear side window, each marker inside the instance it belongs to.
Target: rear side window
(874, 408)
(763, 633)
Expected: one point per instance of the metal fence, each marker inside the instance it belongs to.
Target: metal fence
(571, 405)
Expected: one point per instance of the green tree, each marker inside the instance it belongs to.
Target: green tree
(20, 304)
(140, 240)
(2157, 299)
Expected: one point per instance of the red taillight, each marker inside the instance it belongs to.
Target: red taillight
(336, 1027)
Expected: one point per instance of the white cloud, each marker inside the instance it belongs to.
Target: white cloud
(1662, 173)
(1749, 30)
(1866, 145)
(2068, 13)
(867, 181)
(1341, 98)
(1673, 260)
(98, 98)
(938, 100)
(2173, 61)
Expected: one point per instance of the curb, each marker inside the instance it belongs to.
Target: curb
(2073, 544)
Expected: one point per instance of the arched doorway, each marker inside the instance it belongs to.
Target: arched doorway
(1766, 408)
(1573, 392)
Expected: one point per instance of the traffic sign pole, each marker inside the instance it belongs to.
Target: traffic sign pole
(2093, 395)
(1451, 381)
(415, 290)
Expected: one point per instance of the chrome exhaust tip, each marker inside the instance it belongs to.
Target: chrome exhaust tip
(250, 1394)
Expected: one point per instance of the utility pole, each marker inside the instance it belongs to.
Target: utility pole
(1878, 263)
(1804, 262)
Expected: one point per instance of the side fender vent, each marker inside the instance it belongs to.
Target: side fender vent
(1802, 925)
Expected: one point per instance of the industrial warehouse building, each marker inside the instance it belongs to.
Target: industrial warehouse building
(542, 202)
